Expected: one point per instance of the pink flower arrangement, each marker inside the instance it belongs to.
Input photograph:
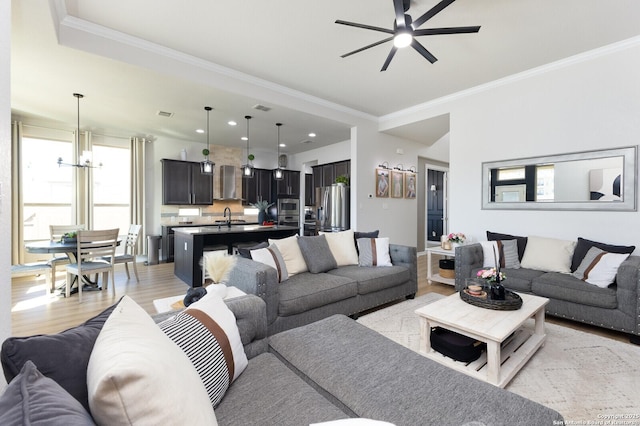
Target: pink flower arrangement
(457, 237)
(490, 275)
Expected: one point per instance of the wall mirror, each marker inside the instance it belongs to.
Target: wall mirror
(590, 180)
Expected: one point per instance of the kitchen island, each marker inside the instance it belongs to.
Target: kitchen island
(190, 243)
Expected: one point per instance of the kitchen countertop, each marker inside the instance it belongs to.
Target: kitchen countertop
(235, 229)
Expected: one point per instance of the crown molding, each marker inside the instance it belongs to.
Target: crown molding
(395, 119)
(69, 28)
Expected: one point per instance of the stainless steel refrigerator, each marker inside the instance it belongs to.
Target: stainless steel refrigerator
(332, 207)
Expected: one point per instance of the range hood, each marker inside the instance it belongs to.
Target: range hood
(228, 183)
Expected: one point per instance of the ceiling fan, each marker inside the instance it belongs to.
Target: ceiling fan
(405, 30)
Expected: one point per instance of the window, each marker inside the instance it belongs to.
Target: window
(511, 174)
(545, 183)
(111, 187)
(47, 189)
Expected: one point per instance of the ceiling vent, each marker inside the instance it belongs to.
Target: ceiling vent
(307, 141)
(261, 107)
(165, 114)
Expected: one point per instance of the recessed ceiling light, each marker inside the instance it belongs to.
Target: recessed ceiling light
(312, 135)
(244, 138)
(232, 123)
(282, 145)
(199, 131)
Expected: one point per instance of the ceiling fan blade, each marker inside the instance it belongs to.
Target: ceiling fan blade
(398, 6)
(424, 52)
(389, 58)
(367, 47)
(366, 27)
(453, 30)
(431, 12)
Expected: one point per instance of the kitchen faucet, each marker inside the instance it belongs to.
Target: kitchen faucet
(227, 209)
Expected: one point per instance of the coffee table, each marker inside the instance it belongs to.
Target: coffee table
(509, 344)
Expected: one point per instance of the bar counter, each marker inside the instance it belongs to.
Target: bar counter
(190, 243)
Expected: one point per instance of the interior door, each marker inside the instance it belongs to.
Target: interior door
(436, 204)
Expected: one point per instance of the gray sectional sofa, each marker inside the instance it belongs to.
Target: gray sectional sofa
(336, 368)
(616, 307)
(307, 297)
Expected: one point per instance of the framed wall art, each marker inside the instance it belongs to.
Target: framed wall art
(382, 182)
(409, 185)
(397, 184)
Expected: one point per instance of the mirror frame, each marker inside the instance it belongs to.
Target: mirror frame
(630, 179)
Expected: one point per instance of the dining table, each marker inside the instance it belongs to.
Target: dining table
(70, 248)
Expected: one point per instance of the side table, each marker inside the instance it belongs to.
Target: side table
(437, 277)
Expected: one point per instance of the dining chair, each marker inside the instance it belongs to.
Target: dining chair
(130, 251)
(92, 250)
(56, 232)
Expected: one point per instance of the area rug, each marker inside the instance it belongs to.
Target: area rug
(586, 378)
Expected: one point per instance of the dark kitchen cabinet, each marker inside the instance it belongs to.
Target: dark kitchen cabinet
(326, 174)
(184, 184)
(258, 187)
(343, 168)
(309, 190)
(289, 187)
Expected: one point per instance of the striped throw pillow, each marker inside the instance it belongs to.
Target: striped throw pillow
(599, 267)
(373, 252)
(207, 333)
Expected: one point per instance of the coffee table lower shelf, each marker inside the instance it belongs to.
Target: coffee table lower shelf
(514, 353)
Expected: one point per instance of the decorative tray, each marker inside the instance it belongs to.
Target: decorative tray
(512, 301)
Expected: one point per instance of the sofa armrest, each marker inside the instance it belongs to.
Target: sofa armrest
(259, 279)
(405, 256)
(467, 258)
(628, 288)
(251, 318)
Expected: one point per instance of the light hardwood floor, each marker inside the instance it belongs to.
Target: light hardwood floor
(36, 312)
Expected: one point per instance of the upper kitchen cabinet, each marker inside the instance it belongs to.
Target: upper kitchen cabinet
(184, 184)
(326, 174)
(257, 188)
(289, 186)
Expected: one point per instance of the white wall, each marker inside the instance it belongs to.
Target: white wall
(5, 171)
(583, 105)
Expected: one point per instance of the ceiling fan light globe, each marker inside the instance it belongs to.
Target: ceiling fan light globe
(402, 39)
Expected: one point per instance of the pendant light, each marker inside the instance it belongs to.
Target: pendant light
(206, 166)
(247, 169)
(84, 159)
(278, 173)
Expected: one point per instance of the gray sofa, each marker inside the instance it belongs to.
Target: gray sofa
(308, 297)
(336, 368)
(616, 307)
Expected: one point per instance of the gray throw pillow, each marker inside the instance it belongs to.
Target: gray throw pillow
(64, 357)
(33, 399)
(317, 254)
(509, 252)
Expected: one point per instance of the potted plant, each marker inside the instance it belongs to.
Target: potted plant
(343, 179)
(262, 207)
(69, 237)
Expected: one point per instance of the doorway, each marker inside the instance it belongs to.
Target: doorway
(436, 199)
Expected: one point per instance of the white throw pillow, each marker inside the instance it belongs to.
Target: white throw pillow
(548, 254)
(599, 267)
(208, 334)
(342, 246)
(374, 252)
(271, 256)
(291, 254)
(488, 257)
(137, 375)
